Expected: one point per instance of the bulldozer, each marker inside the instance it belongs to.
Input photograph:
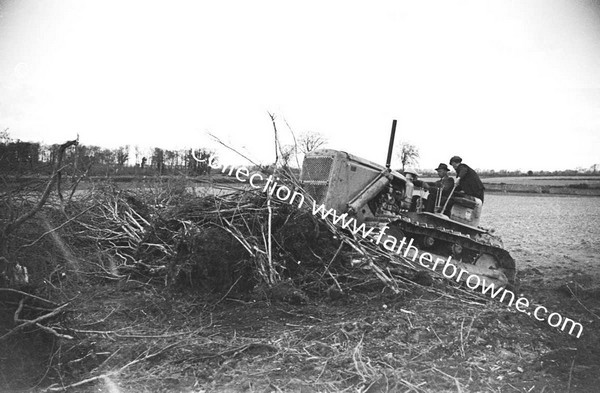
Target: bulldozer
(379, 196)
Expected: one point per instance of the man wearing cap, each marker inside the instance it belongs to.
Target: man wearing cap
(445, 185)
(467, 180)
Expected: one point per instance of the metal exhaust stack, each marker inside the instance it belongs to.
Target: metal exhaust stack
(388, 162)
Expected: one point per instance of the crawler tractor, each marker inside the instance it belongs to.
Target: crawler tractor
(379, 196)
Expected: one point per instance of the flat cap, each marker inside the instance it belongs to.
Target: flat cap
(455, 159)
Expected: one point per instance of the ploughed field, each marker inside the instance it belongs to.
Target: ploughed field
(557, 185)
(557, 235)
(592, 181)
(140, 336)
(557, 181)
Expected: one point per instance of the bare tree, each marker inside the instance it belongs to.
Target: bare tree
(169, 158)
(309, 141)
(4, 136)
(408, 154)
(198, 161)
(287, 153)
(158, 159)
(122, 155)
(9, 227)
(137, 153)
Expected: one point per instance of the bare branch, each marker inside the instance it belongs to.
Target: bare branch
(58, 227)
(53, 178)
(33, 321)
(234, 150)
(277, 147)
(295, 142)
(54, 332)
(92, 379)
(27, 294)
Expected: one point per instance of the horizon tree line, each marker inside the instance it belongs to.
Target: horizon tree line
(18, 157)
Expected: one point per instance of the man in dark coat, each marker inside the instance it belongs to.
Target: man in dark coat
(445, 184)
(467, 180)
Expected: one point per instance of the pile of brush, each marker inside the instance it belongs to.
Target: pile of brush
(233, 240)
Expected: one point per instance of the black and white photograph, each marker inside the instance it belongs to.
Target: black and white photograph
(300, 196)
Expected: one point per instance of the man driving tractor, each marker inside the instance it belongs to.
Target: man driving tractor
(467, 180)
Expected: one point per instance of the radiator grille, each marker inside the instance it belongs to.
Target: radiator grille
(317, 191)
(315, 176)
(316, 168)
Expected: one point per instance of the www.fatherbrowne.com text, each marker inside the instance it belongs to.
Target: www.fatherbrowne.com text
(404, 247)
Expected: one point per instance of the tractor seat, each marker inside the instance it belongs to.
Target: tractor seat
(466, 201)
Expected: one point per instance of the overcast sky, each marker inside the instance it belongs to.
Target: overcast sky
(504, 84)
